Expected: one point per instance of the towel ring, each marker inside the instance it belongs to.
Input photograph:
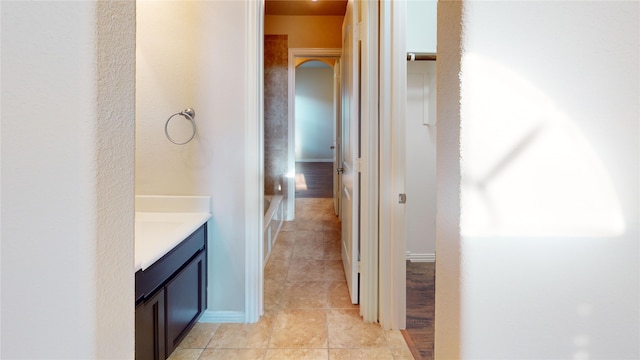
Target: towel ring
(188, 114)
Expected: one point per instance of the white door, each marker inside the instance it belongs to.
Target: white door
(337, 136)
(350, 193)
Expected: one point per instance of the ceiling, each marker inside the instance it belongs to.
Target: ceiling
(305, 7)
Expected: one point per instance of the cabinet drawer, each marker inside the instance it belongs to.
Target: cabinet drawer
(152, 278)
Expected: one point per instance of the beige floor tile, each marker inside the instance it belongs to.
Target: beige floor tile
(308, 222)
(273, 290)
(402, 353)
(338, 296)
(360, 354)
(199, 336)
(309, 248)
(287, 226)
(185, 354)
(297, 354)
(398, 345)
(306, 270)
(311, 235)
(305, 295)
(329, 219)
(281, 251)
(347, 330)
(332, 235)
(309, 314)
(331, 223)
(276, 268)
(285, 236)
(233, 354)
(395, 339)
(333, 270)
(243, 336)
(332, 250)
(300, 328)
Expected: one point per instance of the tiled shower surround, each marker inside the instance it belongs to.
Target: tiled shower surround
(276, 108)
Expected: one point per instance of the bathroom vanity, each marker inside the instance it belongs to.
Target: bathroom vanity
(170, 279)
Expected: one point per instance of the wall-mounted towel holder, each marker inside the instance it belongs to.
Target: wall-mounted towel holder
(188, 114)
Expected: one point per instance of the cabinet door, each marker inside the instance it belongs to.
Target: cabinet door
(185, 300)
(150, 328)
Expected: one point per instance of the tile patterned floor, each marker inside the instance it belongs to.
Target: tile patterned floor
(308, 314)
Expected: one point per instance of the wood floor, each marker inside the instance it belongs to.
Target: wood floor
(315, 180)
(420, 309)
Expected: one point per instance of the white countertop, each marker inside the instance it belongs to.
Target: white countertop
(162, 222)
(159, 232)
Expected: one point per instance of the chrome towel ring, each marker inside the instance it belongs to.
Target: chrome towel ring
(188, 114)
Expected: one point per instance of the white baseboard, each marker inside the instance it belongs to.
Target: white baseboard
(314, 160)
(413, 257)
(222, 317)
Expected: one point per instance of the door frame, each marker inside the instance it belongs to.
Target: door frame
(393, 88)
(315, 53)
(370, 197)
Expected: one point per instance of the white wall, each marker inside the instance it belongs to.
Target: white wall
(314, 121)
(67, 180)
(547, 255)
(188, 57)
(420, 142)
(421, 26)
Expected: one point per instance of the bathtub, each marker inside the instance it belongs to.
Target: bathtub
(273, 217)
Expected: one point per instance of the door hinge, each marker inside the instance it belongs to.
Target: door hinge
(402, 198)
(359, 266)
(359, 165)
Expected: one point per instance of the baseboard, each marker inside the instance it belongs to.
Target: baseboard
(210, 316)
(314, 160)
(413, 257)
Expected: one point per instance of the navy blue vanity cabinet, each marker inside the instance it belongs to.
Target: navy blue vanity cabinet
(171, 295)
(150, 325)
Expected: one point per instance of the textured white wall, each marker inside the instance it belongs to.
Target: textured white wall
(67, 180)
(420, 142)
(187, 57)
(549, 139)
(314, 114)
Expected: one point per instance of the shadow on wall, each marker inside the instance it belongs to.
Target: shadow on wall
(543, 178)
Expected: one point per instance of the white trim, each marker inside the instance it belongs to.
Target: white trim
(254, 163)
(369, 163)
(413, 257)
(222, 317)
(291, 159)
(392, 217)
(315, 160)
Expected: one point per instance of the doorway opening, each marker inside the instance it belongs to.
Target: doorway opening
(310, 59)
(314, 128)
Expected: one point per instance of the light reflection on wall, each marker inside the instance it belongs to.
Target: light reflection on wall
(526, 168)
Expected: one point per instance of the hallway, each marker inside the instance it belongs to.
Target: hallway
(308, 314)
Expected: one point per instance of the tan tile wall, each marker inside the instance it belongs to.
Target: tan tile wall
(276, 120)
